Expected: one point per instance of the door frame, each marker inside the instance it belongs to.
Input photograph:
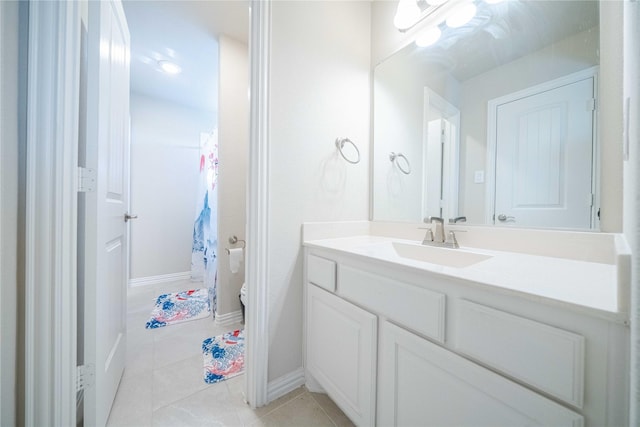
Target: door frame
(51, 213)
(257, 265)
(492, 135)
(450, 165)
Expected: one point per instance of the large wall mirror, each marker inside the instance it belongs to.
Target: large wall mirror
(496, 121)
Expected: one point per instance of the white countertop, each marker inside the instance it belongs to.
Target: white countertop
(594, 285)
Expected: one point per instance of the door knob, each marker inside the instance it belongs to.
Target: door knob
(127, 217)
(503, 217)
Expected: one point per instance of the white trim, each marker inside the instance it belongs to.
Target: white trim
(51, 213)
(162, 278)
(2, 197)
(228, 318)
(451, 160)
(285, 384)
(257, 263)
(492, 108)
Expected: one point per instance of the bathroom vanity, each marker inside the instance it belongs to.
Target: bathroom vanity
(401, 334)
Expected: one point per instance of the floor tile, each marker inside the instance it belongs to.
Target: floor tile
(178, 380)
(301, 411)
(332, 410)
(132, 405)
(209, 407)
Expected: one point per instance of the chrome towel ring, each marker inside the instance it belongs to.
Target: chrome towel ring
(340, 141)
(406, 169)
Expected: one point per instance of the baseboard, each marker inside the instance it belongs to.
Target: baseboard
(229, 318)
(163, 278)
(285, 384)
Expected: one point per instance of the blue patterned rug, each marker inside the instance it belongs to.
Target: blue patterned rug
(223, 356)
(179, 307)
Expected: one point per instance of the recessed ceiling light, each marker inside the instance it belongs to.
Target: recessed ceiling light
(169, 67)
(461, 15)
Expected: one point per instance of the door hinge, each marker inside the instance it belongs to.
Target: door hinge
(590, 199)
(85, 377)
(86, 180)
(442, 137)
(591, 104)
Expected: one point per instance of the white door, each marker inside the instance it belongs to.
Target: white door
(106, 205)
(433, 167)
(544, 149)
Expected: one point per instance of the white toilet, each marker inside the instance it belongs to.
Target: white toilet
(243, 294)
(243, 298)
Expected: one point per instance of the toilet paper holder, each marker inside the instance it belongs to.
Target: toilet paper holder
(234, 240)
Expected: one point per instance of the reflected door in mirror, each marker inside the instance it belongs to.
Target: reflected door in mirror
(544, 158)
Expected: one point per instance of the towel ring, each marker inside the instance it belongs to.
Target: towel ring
(394, 159)
(340, 141)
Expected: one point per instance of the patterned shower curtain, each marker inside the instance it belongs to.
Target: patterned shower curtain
(204, 263)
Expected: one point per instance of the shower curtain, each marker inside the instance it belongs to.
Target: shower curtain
(204, 263)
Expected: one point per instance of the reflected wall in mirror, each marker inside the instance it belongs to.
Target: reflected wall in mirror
(496, 119)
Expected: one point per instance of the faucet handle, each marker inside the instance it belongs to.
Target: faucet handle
(452, 239)
(431, 219)
(428, 238)
(457, 219)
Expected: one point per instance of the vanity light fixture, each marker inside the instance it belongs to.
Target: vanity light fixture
(461, 15)
(493, 1)
(169, 67)
(428, 37)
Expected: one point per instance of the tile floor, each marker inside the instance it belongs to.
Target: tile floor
(163, 386)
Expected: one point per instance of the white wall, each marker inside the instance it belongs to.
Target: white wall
(632, 188)
(165, 141)
(8, 210)
(398, 127)
(610, 115)
(233, 142)
(319, 90)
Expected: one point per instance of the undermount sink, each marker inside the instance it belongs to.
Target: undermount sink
(458, 258)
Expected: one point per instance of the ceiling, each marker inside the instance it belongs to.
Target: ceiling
(185, 32)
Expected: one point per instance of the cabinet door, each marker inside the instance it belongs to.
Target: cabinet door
(341, 353)
(423, 384)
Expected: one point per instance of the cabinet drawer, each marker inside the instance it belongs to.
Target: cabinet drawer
(548, 358)
(416, 308)
(321, 272)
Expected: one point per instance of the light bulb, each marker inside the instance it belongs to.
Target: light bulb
(407, 14)
(169, 67)
(428, 37)
(461, 15)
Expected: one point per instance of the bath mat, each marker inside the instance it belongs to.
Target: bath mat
(223, 356)
(179, 307)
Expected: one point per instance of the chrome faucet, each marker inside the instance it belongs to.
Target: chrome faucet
(436, 237)
(438, 232)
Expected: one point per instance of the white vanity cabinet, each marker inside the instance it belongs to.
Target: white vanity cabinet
(341, 346)
(418, 348)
